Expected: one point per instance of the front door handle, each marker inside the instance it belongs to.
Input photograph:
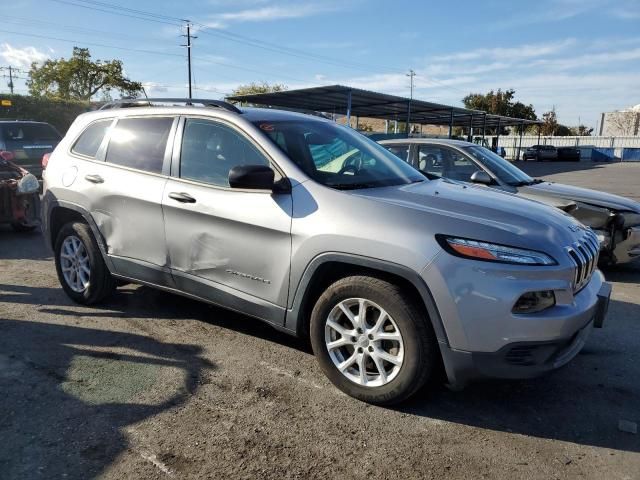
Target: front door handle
(94, 178)
(182, 197)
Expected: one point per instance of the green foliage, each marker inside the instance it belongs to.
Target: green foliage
(79, 78)
(552, 127)
(59, 113)
(255, 88)
(581, 131)
(500, 103)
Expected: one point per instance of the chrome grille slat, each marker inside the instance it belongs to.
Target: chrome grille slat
(584, 255)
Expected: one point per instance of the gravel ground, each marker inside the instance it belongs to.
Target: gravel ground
(152, 385)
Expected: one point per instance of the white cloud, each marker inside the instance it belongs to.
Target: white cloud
(21, 57)
(522, 51)
(279, 12)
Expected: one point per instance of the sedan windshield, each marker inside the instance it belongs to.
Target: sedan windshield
(338, 156)
(501, 168)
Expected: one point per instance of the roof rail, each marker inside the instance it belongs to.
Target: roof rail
(150, 102)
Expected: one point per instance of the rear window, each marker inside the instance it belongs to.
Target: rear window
(140, 143)
(29, 133)
(89, 142)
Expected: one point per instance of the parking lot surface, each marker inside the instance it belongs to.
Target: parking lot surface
(152, 385)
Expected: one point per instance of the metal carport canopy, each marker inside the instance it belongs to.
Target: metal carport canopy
(351, 101)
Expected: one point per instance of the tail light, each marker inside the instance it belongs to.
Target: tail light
(45, 160)
(7, 155)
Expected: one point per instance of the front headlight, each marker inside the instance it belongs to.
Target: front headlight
(28, 184)
(492, 252)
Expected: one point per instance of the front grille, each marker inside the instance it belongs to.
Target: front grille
(584, 255)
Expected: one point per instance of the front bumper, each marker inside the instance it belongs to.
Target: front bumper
(486, 340)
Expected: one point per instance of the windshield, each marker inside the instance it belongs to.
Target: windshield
(501, 168)
(338, 156)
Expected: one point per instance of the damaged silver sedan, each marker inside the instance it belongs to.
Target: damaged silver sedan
(615, 219)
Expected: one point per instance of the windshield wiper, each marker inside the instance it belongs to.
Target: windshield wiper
(351, 186)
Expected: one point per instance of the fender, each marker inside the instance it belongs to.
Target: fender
(50, 203)
(294, 321)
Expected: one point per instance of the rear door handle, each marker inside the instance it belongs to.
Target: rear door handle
(94, 178)
(182, 197)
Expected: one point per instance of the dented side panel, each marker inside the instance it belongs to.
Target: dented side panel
(239, 239)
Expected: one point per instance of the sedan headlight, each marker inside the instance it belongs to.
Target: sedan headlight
(28, 184)
(492, 252)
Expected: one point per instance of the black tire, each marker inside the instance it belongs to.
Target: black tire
(22, 228)
(421, 361)
(101, 283)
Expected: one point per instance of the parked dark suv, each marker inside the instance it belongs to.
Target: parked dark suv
(25, 142)
(540, 153)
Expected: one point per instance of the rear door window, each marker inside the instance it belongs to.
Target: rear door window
(140, 143)
(89, 141)
(400, 151)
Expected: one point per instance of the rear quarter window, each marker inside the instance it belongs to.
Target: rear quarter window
(89, 141)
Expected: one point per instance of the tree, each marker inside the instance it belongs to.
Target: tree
(624, 122)
(79, 78)
(552, 127)
(254, 88)
(581, 131)
(500, 103)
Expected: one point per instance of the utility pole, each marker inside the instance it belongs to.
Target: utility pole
(11, 72)
(11, 79)
(411, 74)
(188, 45)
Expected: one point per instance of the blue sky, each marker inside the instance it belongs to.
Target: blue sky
(581, 56)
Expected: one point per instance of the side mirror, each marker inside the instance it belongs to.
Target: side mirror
(252, 177)
(481, 177)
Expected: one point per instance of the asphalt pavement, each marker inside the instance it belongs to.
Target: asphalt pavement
(153, 385)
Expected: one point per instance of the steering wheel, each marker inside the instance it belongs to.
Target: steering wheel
(353, 163)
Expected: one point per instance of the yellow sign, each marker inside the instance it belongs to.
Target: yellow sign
(5, 103)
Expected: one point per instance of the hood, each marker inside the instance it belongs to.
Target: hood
(585, 195)
(483, 214)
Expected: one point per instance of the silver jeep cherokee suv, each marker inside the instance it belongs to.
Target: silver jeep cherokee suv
(324, 234)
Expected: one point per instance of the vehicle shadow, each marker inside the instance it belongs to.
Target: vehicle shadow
(580, 403)
(140, 302)
(623, 273)
(66, 399)
(540, 169)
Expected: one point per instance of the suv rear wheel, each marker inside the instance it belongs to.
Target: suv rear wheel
(372, 340)
(81, 269)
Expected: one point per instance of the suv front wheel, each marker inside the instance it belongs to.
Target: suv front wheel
(81, 270)
(372, 340)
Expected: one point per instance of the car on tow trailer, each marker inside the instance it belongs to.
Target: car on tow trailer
(322, 233)
(19, 196)
(615, 219)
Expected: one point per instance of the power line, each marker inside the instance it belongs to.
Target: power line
(145, 15)
(94, 44)
(235, 37)
(68, 2)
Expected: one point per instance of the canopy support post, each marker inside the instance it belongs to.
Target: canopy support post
(520, 144)
(349, 108)
(451, 124)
